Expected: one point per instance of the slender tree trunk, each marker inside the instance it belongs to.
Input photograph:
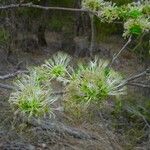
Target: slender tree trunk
(42, 27)
(92, 44)
(41, 35)
(78, 18)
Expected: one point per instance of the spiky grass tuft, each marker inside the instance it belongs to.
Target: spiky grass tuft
(57, 66)
(31, 99)
(93, 83)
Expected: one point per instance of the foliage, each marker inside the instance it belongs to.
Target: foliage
(131, 10)
(110, 12)
(136, 26)
(93, 5)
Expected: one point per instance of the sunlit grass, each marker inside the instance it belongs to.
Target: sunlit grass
(93, 83)
(57, 66)
(30, 98)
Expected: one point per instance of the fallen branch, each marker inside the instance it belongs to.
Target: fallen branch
(60, 128)
(118, 54)
(6, 86)
(11, 75)
(31, 5)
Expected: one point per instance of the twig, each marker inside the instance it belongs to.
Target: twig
(117, 54)
(59, 93)
(11, 75)
(139, 85)
(128, 80)
(139, 114)
(31, 5)
(139, 42)
(6, 86)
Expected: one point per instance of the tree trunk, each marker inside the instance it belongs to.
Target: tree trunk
(41, 35)
(42, 27)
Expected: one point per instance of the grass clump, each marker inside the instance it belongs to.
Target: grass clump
(93, 83)
(86, 85)
(57, 66)
(31, 99)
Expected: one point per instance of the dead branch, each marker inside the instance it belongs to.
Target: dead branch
(31, 5)
(132, 78)
(139, 114)
(120, 51)
(139, 85)
(60, 128)
(6, 86)
(11, 75)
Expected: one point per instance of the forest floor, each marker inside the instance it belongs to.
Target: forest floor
(33, 137)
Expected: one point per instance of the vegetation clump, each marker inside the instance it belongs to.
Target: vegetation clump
(135, 16)
(31, 99)
(93, 83)
(57, 66)
(85, 85)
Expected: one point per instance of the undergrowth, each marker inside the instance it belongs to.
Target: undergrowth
(85, 85)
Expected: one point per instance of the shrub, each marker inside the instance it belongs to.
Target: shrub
(109, 13)
(136, 27)
(135, 16)
(95, 5)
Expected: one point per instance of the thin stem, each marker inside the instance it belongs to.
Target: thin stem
(118, 54)
(7, 87)
(11, 75)
(139, 85)
(92, 35)
(128, 80)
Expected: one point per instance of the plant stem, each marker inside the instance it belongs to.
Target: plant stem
(118, 54)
